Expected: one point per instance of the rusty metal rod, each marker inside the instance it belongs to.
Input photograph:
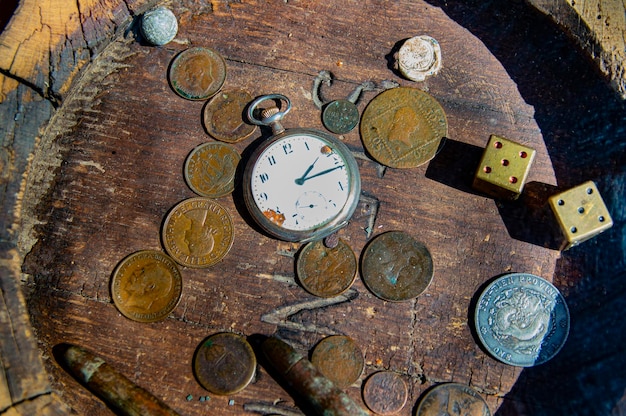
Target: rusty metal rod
(117, 391)
(308, 382)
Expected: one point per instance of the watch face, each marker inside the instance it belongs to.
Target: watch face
(302, 182)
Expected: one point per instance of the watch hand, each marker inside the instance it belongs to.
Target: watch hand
(301, 179)
(324, 172)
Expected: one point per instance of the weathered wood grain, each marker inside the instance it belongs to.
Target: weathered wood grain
(122, 172)
(599, 28)
(108, 167)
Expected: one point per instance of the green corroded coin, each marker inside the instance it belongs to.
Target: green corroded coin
(340, 116)
(396, 267)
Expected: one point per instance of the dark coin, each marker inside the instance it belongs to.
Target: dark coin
(385, 393)
(522, 319)
(224, 363)
(210, 169)
(223, 116)
(340, 116)
(197, 73)
(452, 398)
(396, 267)
(198, 232)
(325, 271)
(402, 127)
(339, 359)
(146, 286)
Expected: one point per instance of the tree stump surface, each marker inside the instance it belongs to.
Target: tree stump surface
(94, 146)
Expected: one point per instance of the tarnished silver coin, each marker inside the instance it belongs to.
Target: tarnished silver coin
(159, 26)
(522, 319)
(340, 116)
(396, 267)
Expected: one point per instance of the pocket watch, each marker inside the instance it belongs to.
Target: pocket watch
(300, 184)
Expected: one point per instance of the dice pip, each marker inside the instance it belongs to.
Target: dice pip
(581, 213)
(503, 169)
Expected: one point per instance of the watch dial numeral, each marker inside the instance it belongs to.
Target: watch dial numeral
(307, 146)
(340, 186)
(263, 196)
(272, 160)
(264, 177)
(287, 148)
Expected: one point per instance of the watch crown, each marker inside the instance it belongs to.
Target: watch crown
(269, 112)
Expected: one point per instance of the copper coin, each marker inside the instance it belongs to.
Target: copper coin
(198, 232)
(402, 127)
(396, 267)
(339, 359)
(224, 116)
(197, 73)
(452, 398)
(210, 169)
(324, 271)
(224, 363)
(146, 286)
(385, 393)
(340, 116)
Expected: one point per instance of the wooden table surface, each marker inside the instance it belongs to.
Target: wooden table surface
(109, 166)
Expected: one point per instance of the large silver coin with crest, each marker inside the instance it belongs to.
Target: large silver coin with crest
(522, 319)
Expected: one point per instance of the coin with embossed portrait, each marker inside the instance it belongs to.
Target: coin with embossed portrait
(522, 319)
(396, 267)
(403, 127)
(324, 271)
(442, 398)
(210, 169)
(146, 286)
(198, 232)
(339, 359)
(224, 363)
(223, 116)
(385, 393)
(197, 73)
(340, 116)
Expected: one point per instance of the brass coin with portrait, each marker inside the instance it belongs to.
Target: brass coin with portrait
(396, 267)
(324, 271)
(146, 286)
(198, 232)
(224, 363)
(210, 169)
(197, 73)
(223, 116)
(403, 127)
(339, 359)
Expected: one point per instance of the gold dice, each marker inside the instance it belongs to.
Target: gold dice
(503, 168)
(581, 213)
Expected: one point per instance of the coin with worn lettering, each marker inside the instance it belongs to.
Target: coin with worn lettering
(452, 398)
(340, 116)
(419, 57)
(223, 116)
(197, 232)
(522, 319)
(324, 271)
(339, 359)
(210, 169)
(224, 363)
(385, 393)
(146, 286)
(396, 267)
(197, 73)
(402, 127)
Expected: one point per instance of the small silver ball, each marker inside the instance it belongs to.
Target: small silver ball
(159, 26)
